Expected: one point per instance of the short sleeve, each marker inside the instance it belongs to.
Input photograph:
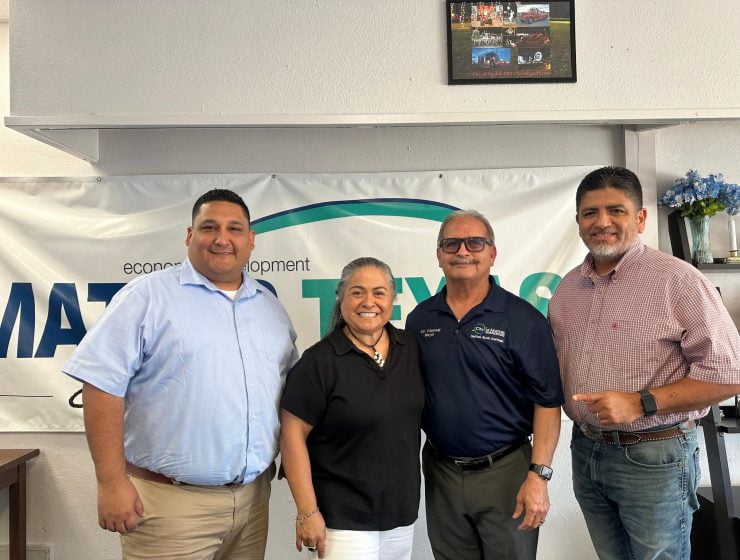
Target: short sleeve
(534, 352)
(306, 394)
(710, 341)
(112, 351)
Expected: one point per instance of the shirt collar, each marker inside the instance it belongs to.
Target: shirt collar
(343, 345)
(588, 269)
(189, 275)
(495, 299)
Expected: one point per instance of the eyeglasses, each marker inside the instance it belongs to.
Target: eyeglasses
(473, 244)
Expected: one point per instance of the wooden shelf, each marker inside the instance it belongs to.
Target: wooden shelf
(717, 526)
(728, 424)
(706, 493)
(704, 541)
(681, 249)
(13, 477)
(719, 267)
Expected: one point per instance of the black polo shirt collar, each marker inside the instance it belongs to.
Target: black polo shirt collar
(494, 301)
(343, 345)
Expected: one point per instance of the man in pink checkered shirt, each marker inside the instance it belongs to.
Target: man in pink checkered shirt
(645, 347)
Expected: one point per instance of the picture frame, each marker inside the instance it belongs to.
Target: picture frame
(510, 42)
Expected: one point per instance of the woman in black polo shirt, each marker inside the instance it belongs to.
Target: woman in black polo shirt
(350, 426)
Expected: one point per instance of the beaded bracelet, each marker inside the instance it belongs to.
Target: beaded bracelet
(300, 518)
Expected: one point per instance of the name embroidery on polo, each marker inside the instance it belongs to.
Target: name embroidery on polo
(429, 333)
(482, 332)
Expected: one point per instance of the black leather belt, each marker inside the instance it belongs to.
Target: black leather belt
(616, 437)
(479, 463)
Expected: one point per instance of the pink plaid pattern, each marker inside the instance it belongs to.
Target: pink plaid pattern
(653, 320)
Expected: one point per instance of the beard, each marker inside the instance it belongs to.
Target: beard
(606, 251)
(609, 251)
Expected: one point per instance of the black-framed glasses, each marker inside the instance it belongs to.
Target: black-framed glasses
(473, 244)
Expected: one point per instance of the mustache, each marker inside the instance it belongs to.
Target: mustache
(604, 230)
(463, 260)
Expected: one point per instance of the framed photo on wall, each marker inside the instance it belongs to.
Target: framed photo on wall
(511, 42)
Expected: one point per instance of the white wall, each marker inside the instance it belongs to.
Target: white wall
(236, 57)
(62, 489)
(710, 148)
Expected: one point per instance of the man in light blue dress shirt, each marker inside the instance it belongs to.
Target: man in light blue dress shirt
(181, 380)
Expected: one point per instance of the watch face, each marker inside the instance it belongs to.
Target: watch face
(543, 470)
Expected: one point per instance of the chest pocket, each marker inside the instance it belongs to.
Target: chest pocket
(276, 341)
(632, 351)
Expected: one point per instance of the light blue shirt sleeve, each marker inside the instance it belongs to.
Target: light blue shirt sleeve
(111, 352)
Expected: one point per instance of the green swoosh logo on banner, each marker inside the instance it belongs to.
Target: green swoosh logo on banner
(409, 208)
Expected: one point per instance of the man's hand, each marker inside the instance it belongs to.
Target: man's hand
(119, 506)
(613, 407)
(532, 500)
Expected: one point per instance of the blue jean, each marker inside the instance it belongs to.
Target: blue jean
(638, 500)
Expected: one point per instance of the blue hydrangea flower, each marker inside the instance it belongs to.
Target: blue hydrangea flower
(695, 195)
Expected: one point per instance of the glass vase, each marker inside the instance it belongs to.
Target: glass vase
(701, 249)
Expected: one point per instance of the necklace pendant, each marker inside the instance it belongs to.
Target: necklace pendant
(378, 359)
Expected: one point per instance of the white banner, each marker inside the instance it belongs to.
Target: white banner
(69, 245)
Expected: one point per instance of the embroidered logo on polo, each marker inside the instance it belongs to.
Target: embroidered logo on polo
(482, 332)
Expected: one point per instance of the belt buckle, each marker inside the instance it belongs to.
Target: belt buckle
(592, 433)
(485, 462)
(611, 437)
(475, 464)
(607, 436)
(462, 465)
(466, 465)
(619, 438)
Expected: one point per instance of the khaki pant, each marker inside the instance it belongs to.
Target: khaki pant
(200, 522)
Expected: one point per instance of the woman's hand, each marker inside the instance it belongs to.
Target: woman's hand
(310, 529)
(311, 532)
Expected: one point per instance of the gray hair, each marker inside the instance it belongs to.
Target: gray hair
(467, 214)
(335, 319)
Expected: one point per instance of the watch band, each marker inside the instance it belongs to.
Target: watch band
(647, 400)
(543, 471)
